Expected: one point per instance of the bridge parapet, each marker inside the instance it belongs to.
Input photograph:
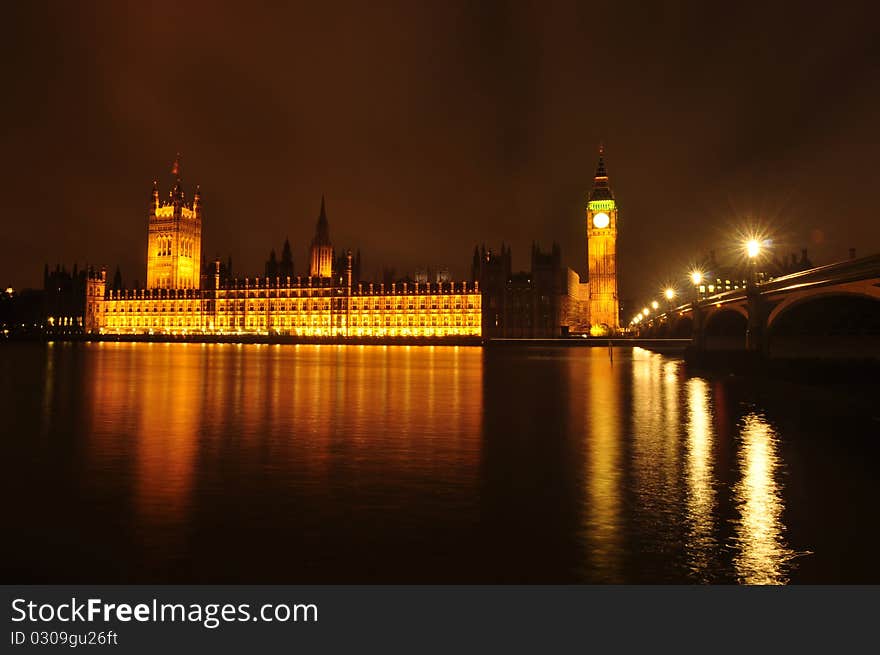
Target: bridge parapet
(833, 308)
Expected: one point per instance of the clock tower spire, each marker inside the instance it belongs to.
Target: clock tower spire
(602, 253)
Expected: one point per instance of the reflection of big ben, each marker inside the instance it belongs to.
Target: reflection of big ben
(602, 254)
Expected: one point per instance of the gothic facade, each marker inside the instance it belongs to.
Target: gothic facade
(331, 300)
(327, 302)
(550, 300)
(174, 239)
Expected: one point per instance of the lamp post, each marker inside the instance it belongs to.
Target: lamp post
(754, 328)
(753, 249)
(697, 339)
(669, 295)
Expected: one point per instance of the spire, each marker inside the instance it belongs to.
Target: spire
(285, 268)
(175, 195)
(600, 169)
(322, 230)
(601, 190)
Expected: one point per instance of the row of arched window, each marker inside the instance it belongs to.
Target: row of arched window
(187, 247)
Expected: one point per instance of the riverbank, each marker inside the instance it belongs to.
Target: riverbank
(255, 339)
(665, 346)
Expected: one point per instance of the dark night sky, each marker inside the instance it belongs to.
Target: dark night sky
(430, 129)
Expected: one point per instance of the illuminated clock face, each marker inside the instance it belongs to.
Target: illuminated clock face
(600, 220)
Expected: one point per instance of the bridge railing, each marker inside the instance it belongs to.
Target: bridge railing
(851, 269)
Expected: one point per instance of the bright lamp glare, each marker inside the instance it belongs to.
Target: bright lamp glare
(753, 248)
(655, 304)
(669, 293)
(696, 277)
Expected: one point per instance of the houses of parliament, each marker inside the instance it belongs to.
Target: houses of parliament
(332, 301)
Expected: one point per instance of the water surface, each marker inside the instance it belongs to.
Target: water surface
(283, 464)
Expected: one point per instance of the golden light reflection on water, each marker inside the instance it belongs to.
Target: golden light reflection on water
(701, 542)
(168, 426)
(48, 389)
(603, 520)
(171, 424)
(146, 414)
(318, 416)
(656, 442)
(762, 555)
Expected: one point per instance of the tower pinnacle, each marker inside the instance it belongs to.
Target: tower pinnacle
(154, 198)
(601, 189)
(322, 230)
(321, 260)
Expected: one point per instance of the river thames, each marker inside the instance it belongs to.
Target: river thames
(223, 463)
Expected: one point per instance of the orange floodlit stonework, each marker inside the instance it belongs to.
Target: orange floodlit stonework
(332, 301)
(179, 300)
(305, 308)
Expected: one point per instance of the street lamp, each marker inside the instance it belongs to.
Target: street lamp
(669, 293)
(753, 248)
(655, 305)
(696, 280)
(645, 311)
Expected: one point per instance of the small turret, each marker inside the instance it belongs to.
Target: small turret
(285, 269)
(154, 198)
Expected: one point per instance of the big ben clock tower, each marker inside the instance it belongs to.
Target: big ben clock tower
(602, 254)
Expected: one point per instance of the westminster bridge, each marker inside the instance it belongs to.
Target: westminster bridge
(828, 312)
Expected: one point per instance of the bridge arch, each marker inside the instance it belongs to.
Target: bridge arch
(727, 321)
(827, 313)
(682, 328)
(871, 291)
(829, 324)
(738, 307)
(660, 329)
(726, 328)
